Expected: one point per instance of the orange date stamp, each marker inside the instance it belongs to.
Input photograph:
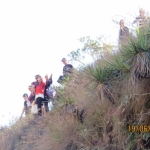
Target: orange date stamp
(139, 128)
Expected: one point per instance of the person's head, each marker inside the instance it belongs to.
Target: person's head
(33, 84)
(64, 61)
(46, 77)
(38, 78)
(142, 12)
(121, 23)
(25, 96)
(30, 88)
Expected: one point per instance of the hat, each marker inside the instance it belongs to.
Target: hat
(63, 59)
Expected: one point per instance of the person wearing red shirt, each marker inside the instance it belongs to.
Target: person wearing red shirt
(39, 93)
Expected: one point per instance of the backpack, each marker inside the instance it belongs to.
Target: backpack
(50, 93)
(60, 79)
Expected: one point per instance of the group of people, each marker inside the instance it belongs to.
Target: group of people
(41, 92)
(124, 30)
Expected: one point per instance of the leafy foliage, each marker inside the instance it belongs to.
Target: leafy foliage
(117, 63)
(95, 48)
(100, 74)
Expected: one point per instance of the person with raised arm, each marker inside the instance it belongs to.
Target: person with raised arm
(47, 85)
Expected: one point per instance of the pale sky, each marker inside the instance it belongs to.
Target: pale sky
(35, 35)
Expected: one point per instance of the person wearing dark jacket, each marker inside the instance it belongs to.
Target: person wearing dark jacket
(123, 32)
(26, 106)
(47, 85)
(67, 69)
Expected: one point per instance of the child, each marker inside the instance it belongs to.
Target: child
(27, 105)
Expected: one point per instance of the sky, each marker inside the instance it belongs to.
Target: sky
(35, 35)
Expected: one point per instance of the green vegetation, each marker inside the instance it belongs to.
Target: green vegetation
(102, 106)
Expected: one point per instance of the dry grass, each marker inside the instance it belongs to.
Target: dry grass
(104, 124)
(92, 110)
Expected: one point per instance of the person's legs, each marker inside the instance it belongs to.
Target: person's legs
(46, 105)
(45, 101)
(42, 107)
(43, 110)
(39, 103)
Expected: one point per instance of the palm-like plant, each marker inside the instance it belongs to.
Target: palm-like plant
(138, 43)
(137, 54)
(100, 75)
(119, 67)
(118, 63)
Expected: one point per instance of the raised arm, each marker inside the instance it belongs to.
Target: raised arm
(136, 19)
(48, 81)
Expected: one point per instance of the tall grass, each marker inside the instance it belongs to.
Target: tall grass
(95, 106)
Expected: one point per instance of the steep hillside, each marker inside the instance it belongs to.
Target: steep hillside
(102, 106)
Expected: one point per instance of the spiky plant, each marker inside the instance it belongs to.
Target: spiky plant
(64, 97)
(117, 63)
(100, 75)
(137, 54)
(119, 67)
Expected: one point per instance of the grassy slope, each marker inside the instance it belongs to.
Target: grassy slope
(95, 107)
